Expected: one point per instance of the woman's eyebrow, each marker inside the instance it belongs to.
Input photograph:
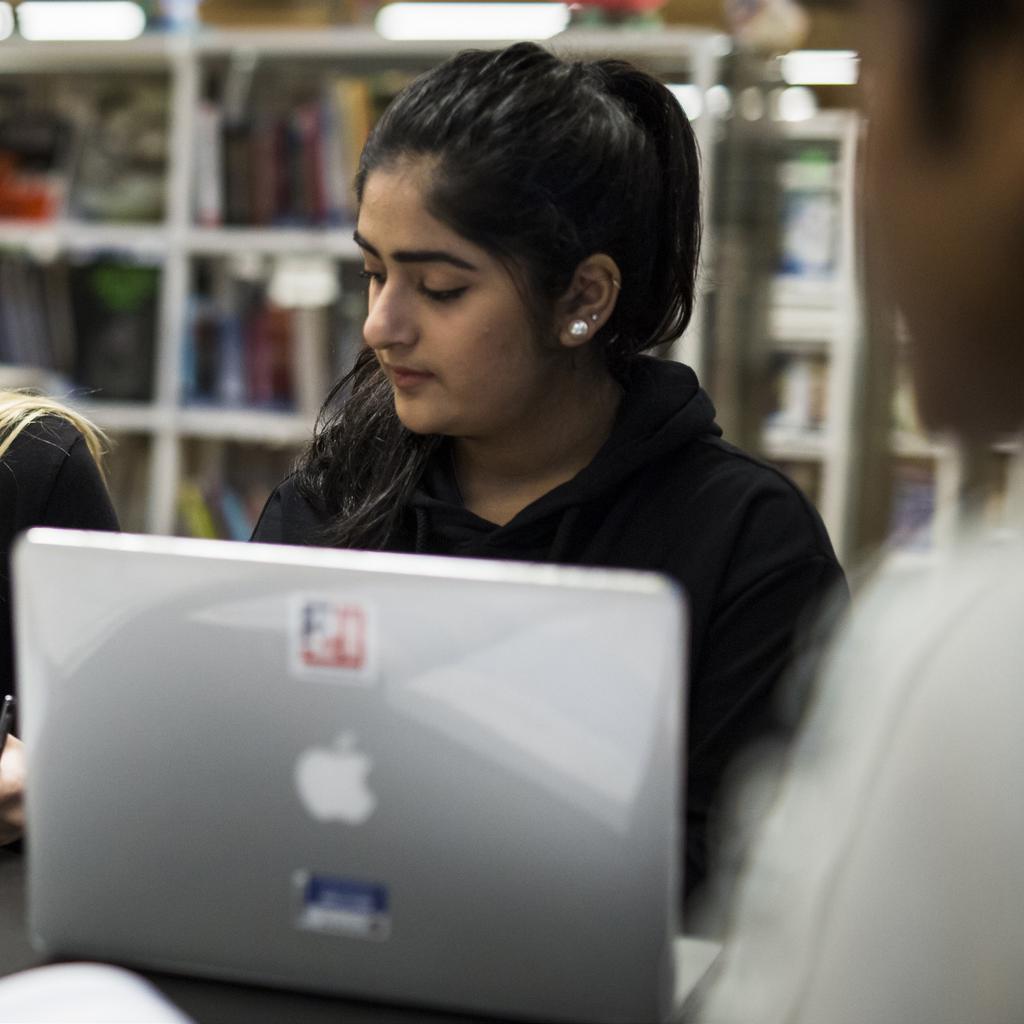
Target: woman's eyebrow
(416, 255)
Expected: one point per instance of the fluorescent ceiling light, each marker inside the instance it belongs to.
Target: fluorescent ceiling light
(80, 19)
(821, 67)
(471, 20)
(6, 20)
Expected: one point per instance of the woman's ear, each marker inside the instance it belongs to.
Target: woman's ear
(589, 300)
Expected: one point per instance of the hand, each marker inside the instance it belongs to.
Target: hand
(12, 791)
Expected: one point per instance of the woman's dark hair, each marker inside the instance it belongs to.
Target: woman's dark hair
(541, 162)
(947, 31)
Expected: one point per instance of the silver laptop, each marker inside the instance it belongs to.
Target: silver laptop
(425, 780)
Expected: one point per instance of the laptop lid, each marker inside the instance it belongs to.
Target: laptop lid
(430, 780)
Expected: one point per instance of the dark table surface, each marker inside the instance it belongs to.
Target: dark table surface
(208, 1002)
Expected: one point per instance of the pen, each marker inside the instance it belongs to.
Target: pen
(6, 714)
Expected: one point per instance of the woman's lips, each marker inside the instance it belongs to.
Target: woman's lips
(404, 378)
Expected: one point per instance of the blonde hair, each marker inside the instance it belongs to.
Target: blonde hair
(20, 408)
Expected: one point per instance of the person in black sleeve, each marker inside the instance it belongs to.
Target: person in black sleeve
(49, 476)
(531, 228)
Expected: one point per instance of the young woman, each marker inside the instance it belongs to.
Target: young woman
(530, 227)
(49, 476)
(888, 885)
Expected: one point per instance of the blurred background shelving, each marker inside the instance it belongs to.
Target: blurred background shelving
(200, 307)
(176, 257)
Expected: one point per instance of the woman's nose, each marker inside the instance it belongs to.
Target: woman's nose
(389, 321)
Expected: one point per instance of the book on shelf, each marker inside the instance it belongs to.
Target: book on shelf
(214, 512)
(243, 350)
(353, 113)
(286, 13)
(913, 504)
(88, 147)
(211, 139)
(24, 337)
(127, 469)
(226, 486)
(810, 232)
(286, 160)
(120, 169)
(195, 516)
(215, 370)
(36, 318)
(269, 343)
(799, 393)
(115, 314)
(34, 145)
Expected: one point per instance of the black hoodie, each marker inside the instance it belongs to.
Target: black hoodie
(664, 493)
(47, 478)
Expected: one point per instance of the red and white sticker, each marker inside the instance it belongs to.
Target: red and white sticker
(332, 639)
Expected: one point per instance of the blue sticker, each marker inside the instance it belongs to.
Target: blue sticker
(343, 906)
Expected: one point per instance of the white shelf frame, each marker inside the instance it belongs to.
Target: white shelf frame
(63, 236)
(234, 241)
(673, 45)
(781, 445)
(827, 319)
(244, 425)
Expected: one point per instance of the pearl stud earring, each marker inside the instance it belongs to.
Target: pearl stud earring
(579, 328)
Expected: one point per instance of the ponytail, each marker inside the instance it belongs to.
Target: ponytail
(669, 222)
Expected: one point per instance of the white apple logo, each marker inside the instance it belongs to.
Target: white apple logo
(332, 782)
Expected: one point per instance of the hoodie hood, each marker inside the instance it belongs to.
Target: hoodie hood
(663, 408)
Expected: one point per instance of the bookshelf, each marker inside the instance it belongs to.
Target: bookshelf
(933, 487)
(814, 324)
(177, 442)
(172, 442)
(817, 339)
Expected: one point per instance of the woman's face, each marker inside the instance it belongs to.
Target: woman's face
(946, 222)
(446, 319)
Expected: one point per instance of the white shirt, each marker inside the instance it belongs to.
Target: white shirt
(888, 884)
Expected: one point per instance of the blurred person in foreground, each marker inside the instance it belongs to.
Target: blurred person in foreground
(49, 476)
(888, 883)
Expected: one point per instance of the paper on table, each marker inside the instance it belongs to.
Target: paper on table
(83, 993)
